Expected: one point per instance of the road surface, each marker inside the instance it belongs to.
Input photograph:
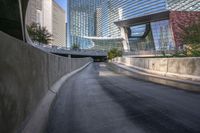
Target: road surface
(97, 100)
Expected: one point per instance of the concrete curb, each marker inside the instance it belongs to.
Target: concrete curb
(165, 74)
(37, 122)
(169, 81)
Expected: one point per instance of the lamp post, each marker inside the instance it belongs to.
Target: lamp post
(21, 19)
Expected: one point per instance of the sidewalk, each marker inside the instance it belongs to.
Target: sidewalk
(156, 78)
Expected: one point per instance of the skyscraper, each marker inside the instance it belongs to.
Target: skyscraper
(48, 14)
(130, 25)
(59, 26)
(82, 22)
(40, 11)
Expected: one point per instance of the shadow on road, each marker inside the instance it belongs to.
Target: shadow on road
(144, 112)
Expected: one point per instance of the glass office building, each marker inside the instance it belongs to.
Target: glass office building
(82, 22)
(138, 24)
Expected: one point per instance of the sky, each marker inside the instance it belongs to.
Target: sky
(63, 4)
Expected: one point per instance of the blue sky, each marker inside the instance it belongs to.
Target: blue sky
(62, 3)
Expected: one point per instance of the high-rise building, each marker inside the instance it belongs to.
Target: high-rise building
(98, 22)
(130, 25)
(66, 33)
(48, 14)
(47, 10)
(59, 26)
(82, 22)
(40, 11)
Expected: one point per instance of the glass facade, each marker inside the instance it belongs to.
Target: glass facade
(82, 21)
(162, 35)
(137, 31)
(107, 44)
(183, 5)
(156, 36)
(143, 40)
(95, 18)
(136, 8)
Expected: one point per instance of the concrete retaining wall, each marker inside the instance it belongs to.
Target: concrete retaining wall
(26, 74)
(184, 68)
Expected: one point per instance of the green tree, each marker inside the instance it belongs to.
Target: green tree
(191, 37)
(113, 53)
(39, 34)
(75, 46)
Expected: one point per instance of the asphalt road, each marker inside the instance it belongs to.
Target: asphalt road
(97, 100)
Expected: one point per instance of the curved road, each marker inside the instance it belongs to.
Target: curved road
(97, 100)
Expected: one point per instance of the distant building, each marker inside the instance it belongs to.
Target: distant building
(98, 22)
(40, 11)
(48, 14)
(131, 25)
(59, 26)
(66, 33)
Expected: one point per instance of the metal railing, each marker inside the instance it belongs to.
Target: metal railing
(149, 53)
(65, 50)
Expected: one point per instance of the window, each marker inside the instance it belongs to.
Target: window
(162, 35)
(137, 31)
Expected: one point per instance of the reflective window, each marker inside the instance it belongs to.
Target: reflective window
(137, 8)
(97, 17)
(183, 5)
(82, 21)
(144, 43)
(138, 31)
(162, 35)
(107, 45)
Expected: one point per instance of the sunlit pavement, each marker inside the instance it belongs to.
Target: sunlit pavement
(97, 100)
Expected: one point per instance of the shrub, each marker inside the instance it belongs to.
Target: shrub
(113, 53)
(191, 38)
(39, 34)
(75, 46)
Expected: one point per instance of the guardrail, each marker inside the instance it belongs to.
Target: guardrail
(64, 50)
(150, 52)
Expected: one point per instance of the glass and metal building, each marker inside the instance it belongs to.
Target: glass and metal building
(81, 22)
(130, 25)
(91, 24)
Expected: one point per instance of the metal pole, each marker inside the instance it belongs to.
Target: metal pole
(70, 62)
(68, 24)
(21, 19)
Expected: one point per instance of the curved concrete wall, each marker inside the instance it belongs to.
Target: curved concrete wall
(26, 74)
(183, 68)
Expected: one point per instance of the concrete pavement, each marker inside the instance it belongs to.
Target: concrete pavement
(98, 100)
